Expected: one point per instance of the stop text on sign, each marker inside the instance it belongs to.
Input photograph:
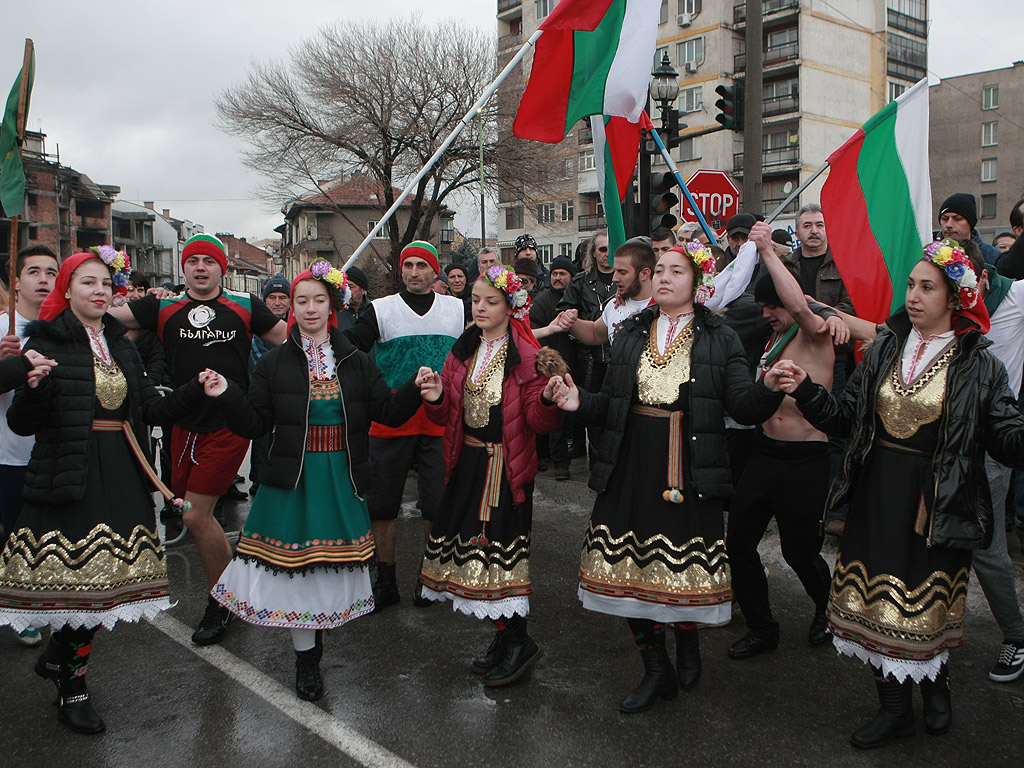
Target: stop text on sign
(712, 204)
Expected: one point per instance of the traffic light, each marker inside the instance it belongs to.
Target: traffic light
(671, 127)
(663, 200)
(730, 106)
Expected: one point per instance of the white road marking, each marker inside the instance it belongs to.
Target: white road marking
(305, 713)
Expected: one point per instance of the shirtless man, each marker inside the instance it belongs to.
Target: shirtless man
(787, 475)
(633, 266)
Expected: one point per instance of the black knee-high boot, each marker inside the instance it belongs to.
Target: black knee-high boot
(659, 680)
(895, 717)
(938, 705)
(308, 683)
(688, 665)
(65, 661)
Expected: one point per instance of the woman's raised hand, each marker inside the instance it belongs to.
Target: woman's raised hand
(213, 383)
(429, 382)
(563, 393)
(41, 366)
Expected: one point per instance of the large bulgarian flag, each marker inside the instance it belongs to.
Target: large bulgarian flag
(616, 147)
(877, 204)
(593, 58)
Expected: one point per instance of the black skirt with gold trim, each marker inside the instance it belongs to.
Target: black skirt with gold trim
(97, 561)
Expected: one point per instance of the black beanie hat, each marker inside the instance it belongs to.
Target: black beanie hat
(765, 293)
(277, 284)
(357, 276)
(563, 262)
(963, 204)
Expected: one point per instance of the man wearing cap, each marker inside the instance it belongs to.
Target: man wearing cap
(359, 284)
(277, 297)
(408, 329)
(526, 248)
(526, 269)
(958, 215)
(737, 232)
(205, 327)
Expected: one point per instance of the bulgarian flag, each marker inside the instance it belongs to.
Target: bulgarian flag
(594, 58)
(616, 147)
(877, 204)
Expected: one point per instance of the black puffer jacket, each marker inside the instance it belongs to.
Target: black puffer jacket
(979, 414)
(59, 412)
(720, 381)
(13, 371)
(278, 402)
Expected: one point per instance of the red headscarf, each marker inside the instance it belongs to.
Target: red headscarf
(974, 319)
(56, 302)
(332, 319)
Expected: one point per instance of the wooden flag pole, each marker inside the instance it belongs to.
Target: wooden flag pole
(20, 134)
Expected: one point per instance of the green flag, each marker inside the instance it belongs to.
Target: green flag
(12, 172)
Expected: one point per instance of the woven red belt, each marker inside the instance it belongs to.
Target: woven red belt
(325, 439)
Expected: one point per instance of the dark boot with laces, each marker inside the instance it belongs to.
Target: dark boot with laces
(213, 625)
(309, 685)
(484, 663)
(521, 653)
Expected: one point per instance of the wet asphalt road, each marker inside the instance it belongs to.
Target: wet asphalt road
(400, 692)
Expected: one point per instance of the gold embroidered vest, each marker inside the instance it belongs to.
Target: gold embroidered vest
(111, 385)
(659, 375)
(904, 408)
(478, 396)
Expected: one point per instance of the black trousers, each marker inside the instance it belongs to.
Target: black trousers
(787, 481)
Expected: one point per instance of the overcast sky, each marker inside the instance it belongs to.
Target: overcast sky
(126, 87)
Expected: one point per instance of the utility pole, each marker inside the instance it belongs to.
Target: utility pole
(753, 110)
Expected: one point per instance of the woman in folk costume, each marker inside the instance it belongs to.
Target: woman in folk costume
(489, 397)
(302, 559)
(85, 550)
(655, 549)
(923, 407)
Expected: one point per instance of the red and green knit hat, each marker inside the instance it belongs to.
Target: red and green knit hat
(206, 245)
(421, 250)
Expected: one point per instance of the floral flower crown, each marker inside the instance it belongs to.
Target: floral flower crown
(507, 281)
(704, 259)
(948, 256)
(336, 282)
(121, 268)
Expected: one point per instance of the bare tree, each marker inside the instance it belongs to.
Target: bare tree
(372, 98)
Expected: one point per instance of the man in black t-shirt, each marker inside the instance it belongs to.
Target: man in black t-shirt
(205, 327)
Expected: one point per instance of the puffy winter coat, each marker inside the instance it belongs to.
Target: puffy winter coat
(523, 414)
(13, 372)
(278, 402)
(60, 410)
(978, 415)
(719, 381)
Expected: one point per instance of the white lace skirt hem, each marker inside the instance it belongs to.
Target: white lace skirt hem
(900, 669)
(57, 619)
(632, 608)
(483, 609)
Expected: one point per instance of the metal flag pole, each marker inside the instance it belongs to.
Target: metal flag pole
(712, 237)
(793, 195)
(19, 128)
(466, 119)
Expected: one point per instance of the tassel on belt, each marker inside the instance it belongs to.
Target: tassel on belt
(492, 484)
(325, 439)
(113, 425)
(675, 471)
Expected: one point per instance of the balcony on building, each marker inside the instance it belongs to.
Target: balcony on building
(588, 222)
(780, 105)
(505, 42)
(770, 158)
(505, 6)
(584, 135)
(775, 57)
(771, 10)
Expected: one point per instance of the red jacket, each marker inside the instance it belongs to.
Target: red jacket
(522, 412)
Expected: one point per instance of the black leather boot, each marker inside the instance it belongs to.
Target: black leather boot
(659, 681)
(895, 718)
(385, 587)
(688, 666)
(308, 683)
(521, 653)
(74, 708)
(490, 658)
(938, 705)
(48, 664)
(818, 634)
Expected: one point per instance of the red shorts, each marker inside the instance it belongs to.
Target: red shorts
(205, 462)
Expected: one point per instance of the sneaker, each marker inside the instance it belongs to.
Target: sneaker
(214, 624)
(1010, 664)
(29, 637)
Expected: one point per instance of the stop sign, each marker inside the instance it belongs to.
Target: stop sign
(715, 194)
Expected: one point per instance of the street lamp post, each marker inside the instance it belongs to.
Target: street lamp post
(664, 90)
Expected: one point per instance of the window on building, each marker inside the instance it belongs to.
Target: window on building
(545, 253)
(988, 169)
(567, 167)
(565, 249)
(691, 7)
(369, 228)
(507, 254)
(990, 97)
(568, 208)
(779, 97)
(690, 52)
(544, 7)
(514, 217)
(689, 149)
(912, 8)
(662, 18)
(659, 54)
(587, 162)
(990, 134)
(896, 90)
(908, 57)
(546, 213)
(691, 99)
(908, 16)
(988, 206)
